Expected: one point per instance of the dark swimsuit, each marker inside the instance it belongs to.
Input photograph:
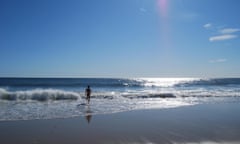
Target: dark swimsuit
(88, 93)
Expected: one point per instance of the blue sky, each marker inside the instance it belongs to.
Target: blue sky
(119, 38)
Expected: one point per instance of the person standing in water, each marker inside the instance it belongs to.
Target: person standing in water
(88, 94)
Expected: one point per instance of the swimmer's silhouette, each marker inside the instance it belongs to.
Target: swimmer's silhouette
(88, 94)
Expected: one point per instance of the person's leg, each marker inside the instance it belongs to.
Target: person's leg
(88, 99)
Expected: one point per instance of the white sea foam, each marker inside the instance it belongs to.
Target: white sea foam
(43, 104)
(39, 95)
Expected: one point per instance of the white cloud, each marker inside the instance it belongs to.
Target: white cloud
(218, 60)
(208, 25)
(222, 37)
(229, 30)
(223, 33)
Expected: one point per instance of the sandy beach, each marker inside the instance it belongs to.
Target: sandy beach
(206, 123)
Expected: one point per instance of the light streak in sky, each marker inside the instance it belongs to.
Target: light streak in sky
(163, 6)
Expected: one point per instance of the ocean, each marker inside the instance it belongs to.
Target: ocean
(48, 98)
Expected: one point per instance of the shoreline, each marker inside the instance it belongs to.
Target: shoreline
(218, 123)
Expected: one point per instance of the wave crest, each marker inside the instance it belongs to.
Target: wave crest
(39, 95)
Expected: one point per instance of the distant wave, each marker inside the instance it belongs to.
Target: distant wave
(68, 82)
(213, 82)
(182, 82)
(38, 95)
(116, 83)
(185, 82)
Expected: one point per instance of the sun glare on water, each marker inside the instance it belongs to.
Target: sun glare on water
(165, 82)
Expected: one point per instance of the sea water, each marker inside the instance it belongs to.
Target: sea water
(47, 98)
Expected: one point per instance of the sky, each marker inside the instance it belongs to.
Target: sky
(119, 38)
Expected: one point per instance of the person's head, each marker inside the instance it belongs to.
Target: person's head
(88, 86)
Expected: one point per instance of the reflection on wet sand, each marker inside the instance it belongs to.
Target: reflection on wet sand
(88, 114)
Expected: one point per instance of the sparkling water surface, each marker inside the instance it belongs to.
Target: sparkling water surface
(46, 98)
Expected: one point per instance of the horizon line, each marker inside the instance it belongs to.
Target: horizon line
(71, 77)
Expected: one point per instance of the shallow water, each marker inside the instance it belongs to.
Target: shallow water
(46, 98)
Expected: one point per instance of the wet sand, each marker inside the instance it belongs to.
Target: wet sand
(215, 123)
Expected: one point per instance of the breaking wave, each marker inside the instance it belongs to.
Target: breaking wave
(39, 95)
(43, 95)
